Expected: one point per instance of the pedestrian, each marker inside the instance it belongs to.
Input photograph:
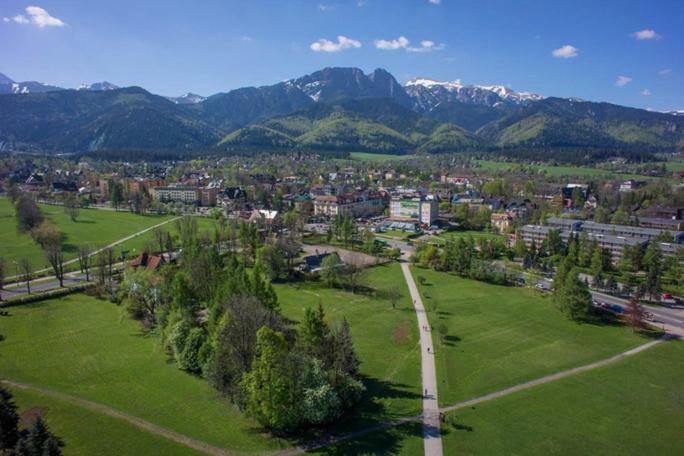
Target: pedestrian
(426, 391)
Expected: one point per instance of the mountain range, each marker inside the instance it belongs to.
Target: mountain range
(341, 109)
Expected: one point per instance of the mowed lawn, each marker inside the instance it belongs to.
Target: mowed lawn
(85, 432)
(386, 339)
(91, 349)
(92, 227)
(635, 406)
(501, 336)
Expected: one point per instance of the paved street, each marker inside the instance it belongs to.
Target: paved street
(432, 439)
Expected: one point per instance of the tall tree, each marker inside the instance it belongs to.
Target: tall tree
(9, 422)
(72, 207)
(85, 259)
(55, 256)
(635, 312)
(28, 213)
(26, 272)
(575, 298)
(653, 263)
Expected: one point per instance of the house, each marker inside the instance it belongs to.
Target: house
(363, 204)
(146, 260)
(569, 189)
(631, 185)
(501, 221)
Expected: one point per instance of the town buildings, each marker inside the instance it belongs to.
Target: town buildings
(364, 204)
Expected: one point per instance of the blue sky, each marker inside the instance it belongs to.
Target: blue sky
(626, 52)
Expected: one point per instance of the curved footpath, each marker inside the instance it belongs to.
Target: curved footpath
(432, 437)
(135, 421)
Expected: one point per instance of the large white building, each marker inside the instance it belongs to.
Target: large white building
(418, 209)
(359, 205)
(183, 194)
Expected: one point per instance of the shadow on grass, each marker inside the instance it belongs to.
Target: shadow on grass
(387, 441)
(450, 341)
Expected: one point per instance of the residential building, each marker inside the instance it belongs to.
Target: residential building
(501, 221)
(631, 185)
(357, 204)
(182, 194)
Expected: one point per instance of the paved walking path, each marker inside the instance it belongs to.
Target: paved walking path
(432, 438)
(135, 421)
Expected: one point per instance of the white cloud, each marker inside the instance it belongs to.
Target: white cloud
(427, 46)
(565, 52)
(5, 19)
(323, 45)
(39, 17)
(403, 43)
(322, 7)
(392, 45)
(20, 19)
(622, 81)
(646, 92)
(665, 72)
(646, 34)
(435, 2)
(246, 39)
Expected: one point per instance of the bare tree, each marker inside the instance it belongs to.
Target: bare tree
(26, 272)
(55, 256)
(85, 260)
(352, 273)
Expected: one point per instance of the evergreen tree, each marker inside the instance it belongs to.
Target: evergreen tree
(345, 357)
(575, 299)
(9, 422)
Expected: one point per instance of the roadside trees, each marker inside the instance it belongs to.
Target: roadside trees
(574, 298)
(85, 259)
(26, 272)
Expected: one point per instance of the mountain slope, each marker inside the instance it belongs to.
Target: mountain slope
(557, 122)
(368, 124)
(70, 120)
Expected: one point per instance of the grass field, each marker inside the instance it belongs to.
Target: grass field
(91, 349)
(588, 172)
(386, 339)
(85, 433)
(93, 226)
(501, 336)
(366, 156)
(635, 406)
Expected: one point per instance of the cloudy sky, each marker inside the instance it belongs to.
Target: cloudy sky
(626, 52)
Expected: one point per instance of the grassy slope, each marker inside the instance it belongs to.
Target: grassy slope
(386, 339)
(93, 226)
(633, 407)
(91, 349)
(502, 336)
(494, 166)
(85, 432)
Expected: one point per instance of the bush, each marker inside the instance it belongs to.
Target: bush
(188, 359)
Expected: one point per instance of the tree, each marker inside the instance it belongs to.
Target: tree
(635, 312)
(55, 256)
(26, 272)
(85, 259)
(9, 422)
(71, 207)
(28, 213)
(352, 273)
(597, 267)
(575, 299)
(653, 262)
(269, 386)
(160, 236)
(39, 441)
(116, 194)
(314, 334)
(271, 261)
(46, 234)
(330, 269)
(520, 248)
(345, 358)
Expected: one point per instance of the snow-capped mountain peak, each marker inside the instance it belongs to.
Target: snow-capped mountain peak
(98, 86)
(188, 98)
(428, 93)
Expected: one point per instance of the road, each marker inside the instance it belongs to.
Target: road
(432, 438)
